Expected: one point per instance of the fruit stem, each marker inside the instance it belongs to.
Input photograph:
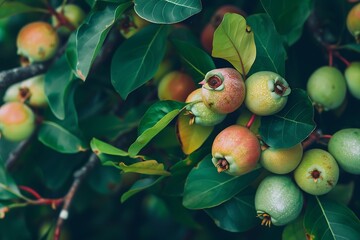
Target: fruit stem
(344, 60)
(31, 191)
(63, 21)
(251, 121)
(331, 56)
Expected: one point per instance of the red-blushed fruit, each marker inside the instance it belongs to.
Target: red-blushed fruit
(223, 90)
(73, 13)
(199, 113)
(353, 21)
(175, 85)
(17, 121)
(317, 173)
(207, 33)
(266, 93)
(131, 23)
(37, 41)
(235, 150)
(281, 161)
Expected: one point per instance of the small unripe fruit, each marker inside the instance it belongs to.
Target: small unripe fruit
(352, 76)
(164, 68)
(223, 90)
(353, 21)
(266, 93)
(235, 150)
(131, 23)
(17, 121)
(37, 41)
(281, 161)
(327, 88)
(278, 200)
(244, 118)
(30, 90)
(344, 145)
(317, 172)
(175, 86)
(199, 112)
(73, 13)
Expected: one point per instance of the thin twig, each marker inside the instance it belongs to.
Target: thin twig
(79, 176)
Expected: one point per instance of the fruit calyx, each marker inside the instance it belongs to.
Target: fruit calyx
(315, 175)
(213, 82)
(126, 23)
(24, 93)
(222, 165)
(266, 218)
(279, 87)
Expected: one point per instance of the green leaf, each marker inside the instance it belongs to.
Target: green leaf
(60, 139)
(59, 80)
(151, 132)
(270, 52)
(8, 9)
(291, 125)
(206, 188)
(156, 112)
(234, 42)
(139, 186)
(236, 215)
(294, 230)
(100, 147)
(8, 188)
(91, 35)
(196, 59)
(325, 219)
(128, 68)
(288, 16)
(353, 47)
(166, 11)
(149, 167)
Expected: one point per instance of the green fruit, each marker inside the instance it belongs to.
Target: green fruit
(176, 86)
(281, 161)
(245, 116)
(327, 88)
(353, 21)
(317, 173)
(73, 13)
(266, 93)
(37, 41)
(278, 200)
(131, 23)
(235, 150)
(17, 121)
(352, 76)
(344, 145)
(30, 90)
(199, 112)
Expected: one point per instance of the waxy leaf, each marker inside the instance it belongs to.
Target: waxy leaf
(292, 124)
(151, 132)
(236, 215)
(138, 58)
(353, 47)
(149, 167)
(156, 112)
(58, 138)
(99, 147)
(191, 136)
(196, 59)
(92, 33)
(8, 188)
(326, 219)
(206, 188)
(8, 9)
(167, 11)
(295, 230)
(139, 186)
(288, 16)
(234, 42)
(270, 52)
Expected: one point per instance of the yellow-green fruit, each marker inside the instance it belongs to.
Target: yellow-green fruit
(73, 13)
(176, 86)
(327, 87)
(30, 90)
(352, 76)
(164, 68)
(17, 121)
(317, 173)
(37, 41)
(344, 145)
(245, 116)
(131, 23)
(353, 21)
(281, 161)
(266, 93)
